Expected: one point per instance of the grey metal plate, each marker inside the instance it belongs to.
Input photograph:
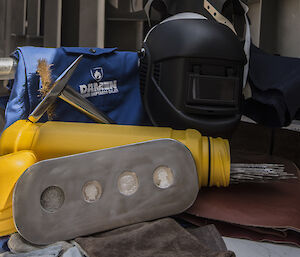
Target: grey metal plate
(75, 217)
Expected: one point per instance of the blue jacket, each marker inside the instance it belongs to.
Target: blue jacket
(106, 77)
(275, 85)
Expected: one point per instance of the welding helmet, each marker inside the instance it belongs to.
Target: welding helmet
(191, 75)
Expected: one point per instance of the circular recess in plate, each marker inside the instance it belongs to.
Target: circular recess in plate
(91, 191)
(52, 198)
(163, 177)
(128, 183)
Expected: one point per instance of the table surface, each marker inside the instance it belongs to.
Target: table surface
(247, 248)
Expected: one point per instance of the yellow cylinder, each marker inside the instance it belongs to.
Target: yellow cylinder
(11, 168)
(55, 139)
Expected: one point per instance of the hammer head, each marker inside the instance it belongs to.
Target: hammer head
(55, 91)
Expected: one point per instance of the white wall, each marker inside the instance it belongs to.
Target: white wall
(276, 26)
(288, 32)
(254, 15)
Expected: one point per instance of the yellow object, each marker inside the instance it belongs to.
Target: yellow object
(55, 139)
(24, 143)
(7, 226)
(11, 168)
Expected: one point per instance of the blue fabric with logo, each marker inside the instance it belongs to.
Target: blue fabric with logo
(107, 78)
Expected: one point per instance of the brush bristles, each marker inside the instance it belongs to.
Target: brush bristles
(241, 173)
(44, 71)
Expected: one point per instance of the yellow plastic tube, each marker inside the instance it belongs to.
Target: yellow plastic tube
(24, 143)
(55, 139)
(11, 168)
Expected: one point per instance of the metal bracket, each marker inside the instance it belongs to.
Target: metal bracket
(218, 16)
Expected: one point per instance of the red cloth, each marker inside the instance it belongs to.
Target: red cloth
(262, 212)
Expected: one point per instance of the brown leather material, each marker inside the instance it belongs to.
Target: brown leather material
(246, 232)
(250, 137)
(287, 145)
(255, 138)
(269, 211)
(209, 236)
(164, 238)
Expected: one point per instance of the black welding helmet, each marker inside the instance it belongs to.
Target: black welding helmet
(192, 75)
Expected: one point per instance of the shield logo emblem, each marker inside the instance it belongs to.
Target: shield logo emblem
(97, 73)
